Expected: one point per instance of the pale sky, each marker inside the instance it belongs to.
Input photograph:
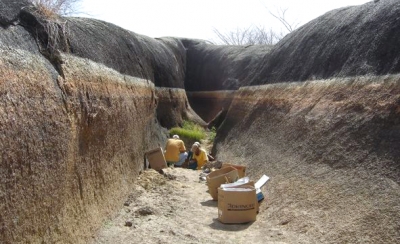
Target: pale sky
(197, 19)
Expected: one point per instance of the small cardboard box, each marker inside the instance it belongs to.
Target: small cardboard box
(241, 169)
(237, 205)
(243, 183)
(218, 177)
(156, 159)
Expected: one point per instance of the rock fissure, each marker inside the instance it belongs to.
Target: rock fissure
(81, 100)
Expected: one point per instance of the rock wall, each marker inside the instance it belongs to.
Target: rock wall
(331, 149)
(350, 41)
(68, 144)
(212, 67)
(173, 108)
(76, 115)
(208, 104)
(79, 107)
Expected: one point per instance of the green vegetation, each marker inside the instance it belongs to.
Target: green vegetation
(190, 132)
(212, 134)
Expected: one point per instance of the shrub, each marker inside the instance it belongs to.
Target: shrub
(189, 132)
(52, 8)
(213, 133)
(190, 135)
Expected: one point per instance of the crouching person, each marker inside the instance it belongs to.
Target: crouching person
(199, 157)
(175, 151)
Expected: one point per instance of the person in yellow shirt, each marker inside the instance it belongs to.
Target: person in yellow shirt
(175, 151)
(199, 158)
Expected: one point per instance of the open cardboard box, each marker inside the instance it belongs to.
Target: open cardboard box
(218, 177)
(156, 159)
(237, 205)
(240, 168)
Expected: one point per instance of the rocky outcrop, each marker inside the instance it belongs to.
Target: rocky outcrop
(81, 100)
(330, 139)
(173, 108)
(78, 109)
(208, 104)
(351, 41)
(331, 149)
(159, 61)
(213, 67)
(74, 150)
(9, 11)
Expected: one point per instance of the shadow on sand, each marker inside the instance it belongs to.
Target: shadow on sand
(217, 225)
(209, 203)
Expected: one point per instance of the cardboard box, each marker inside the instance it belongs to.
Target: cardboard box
(218, 177)
(242, 183)
(156, 159)
(245, 181)
(241, 169)
(237, 205)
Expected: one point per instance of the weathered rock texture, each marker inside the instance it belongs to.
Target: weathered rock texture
(212, 67)
(158, 60)
(331, 147)
(78, 109)
(332, 150)
(351, 41)
(208, 104)
(10, 11)
(173, 108)
(70, 146)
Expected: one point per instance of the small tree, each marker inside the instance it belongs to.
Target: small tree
(257, 35)
(280, 15)
(252, 35)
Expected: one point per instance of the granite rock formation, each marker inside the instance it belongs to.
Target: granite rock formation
(331, 149)
(81, 100)
(78, 109)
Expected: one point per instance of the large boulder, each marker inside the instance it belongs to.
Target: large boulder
(351, 41)
(127, 52)
(158, 61)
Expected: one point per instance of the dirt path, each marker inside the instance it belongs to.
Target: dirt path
(175, 208)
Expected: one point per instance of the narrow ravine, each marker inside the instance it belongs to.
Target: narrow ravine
(176, 208)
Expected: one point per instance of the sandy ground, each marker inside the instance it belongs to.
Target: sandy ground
(176, 208)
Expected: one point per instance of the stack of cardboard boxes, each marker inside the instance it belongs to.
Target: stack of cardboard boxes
(238, 197)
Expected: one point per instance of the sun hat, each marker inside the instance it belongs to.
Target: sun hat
(194, 146)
